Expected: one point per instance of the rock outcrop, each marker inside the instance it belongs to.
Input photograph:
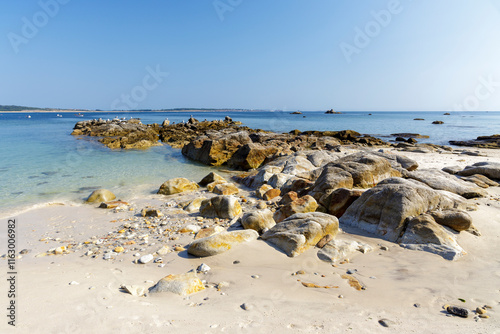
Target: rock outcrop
(384, 209)
(437, 179)
(489, 169)
(481, 142)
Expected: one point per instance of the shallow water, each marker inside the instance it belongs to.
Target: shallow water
(41, 161)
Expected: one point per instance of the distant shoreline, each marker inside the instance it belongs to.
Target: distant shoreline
(124, 111)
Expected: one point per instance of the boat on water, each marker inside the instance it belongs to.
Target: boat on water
(79, 115)
(29, 116)
(58, 115)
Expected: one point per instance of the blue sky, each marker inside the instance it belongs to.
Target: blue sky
(257, 54)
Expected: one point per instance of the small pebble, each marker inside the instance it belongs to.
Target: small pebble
(203, 268)
(236, 262)
(341, 296)
(417, 305)
(384, 248)
(255, 276)
(246, 307)
(73, 283)
(351, 271)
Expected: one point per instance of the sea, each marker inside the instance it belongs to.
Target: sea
(41, 162)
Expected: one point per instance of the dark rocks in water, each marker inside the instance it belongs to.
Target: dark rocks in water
(409, 135)
(419, 119)
(438, 122)
(447, 114)
(228, 119)
(411, 141)
(492, 141)
(400, 139)
(296, 113)
(331, 111)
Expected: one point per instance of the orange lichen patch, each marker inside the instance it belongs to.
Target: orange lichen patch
(312, 285)
(87, 242)
(113, 221)
(353, 282)
(122, 231)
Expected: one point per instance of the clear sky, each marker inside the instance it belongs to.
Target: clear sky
(256, 54)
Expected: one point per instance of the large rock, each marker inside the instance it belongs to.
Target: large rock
(480, 180)
(488, 169)
(366, 169)
(262, 190)
(301, 205)
(220, 242)
(260, 220)
(279, 180)
(101, 195)
(301, 231)
(423, 233)
(220, 206)
(384, 209)
(331, 178)
(215, 151)
(251, 156)
(184, 284)
(453, 218)
(194, 205)
(177, 185)
(440, 180)
(398, 161)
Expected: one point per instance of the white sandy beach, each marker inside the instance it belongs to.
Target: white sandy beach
(408, 288)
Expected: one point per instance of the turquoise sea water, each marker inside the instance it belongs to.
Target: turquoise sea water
(41, 162)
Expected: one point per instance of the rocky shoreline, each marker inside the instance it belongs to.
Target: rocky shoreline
(226, 142)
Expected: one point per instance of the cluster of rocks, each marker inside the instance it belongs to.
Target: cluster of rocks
(219, 142)
(119, 133)
(492, 141)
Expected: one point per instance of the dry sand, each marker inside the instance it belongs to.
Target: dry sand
(396, 280)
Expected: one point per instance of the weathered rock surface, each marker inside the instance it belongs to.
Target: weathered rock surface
(480, 180)
(259, 220)
(453, 218)
(177, 185)
(271, 194)
(220, 242)
(301, 205)
(384, 209)
(297, 233)
(262, 190)
(251, 155)
(226, 189)
(486, 168)
(338, 250)
(101, 195)
(183, 285)
(194, 205)
(220, 206)
(423, 233)
(331, 178)
(440, 180)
